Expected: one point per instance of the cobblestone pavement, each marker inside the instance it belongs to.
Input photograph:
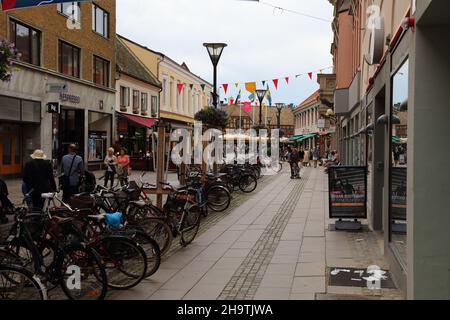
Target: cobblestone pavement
(274, 244)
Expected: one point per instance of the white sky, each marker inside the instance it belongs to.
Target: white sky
(263, 44)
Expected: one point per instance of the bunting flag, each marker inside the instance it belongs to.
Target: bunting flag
(263, 105)
(287, 80)
(203, 87)
(231, 100)
(15, 4)
(269, 96)
(264, 83)
(225, 87)
(247, 106)
(250, 86)
(180, 88)
(252, 97)
(310, 74)
(297, 76)
(238, 96)
(191, 86)
(275, 82)
(236, 84)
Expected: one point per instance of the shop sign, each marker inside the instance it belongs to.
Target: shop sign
(57, 88)
(347, 192)
(53, 107)
(65, 97)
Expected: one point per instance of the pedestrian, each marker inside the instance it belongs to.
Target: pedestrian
(71, 170)
(111, 165)
(316, 156)
(38, 178)
(293, 161)
(123, 167)
(306, 158)
(301, 155)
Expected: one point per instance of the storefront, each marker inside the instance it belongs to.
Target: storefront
(135, 134)
(20, 122)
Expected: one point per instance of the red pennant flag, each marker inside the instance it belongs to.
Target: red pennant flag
(225, 87)
(275, 82)
(231, 101)
(180, 88)
(310, 74)
(287, 80)
(247, 106)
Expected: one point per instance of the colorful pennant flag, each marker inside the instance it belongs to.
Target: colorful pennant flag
(287, 80)
(191, 86)
(310, 74)
(247, 106)
(298, 75)
(236, 85)
(250, 87)
(275, 82)
(269, 96)
(203, 87)
(231, 100)
(180, 88)
(252, 97)
(238, 96)
(225, 87)
(264, 83)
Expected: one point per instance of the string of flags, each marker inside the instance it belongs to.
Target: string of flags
(251, 86)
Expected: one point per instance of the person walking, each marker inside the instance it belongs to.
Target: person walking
(111, 167)
(293, 161)
(306, 158)
(72, 169)
(38, 178)
(316, 156)
(301, 156)
(123, 167)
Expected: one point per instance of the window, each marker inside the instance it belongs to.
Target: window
(124, 98)
(144, 103)
(135, 101)
(28, 42)
(100, 21)
(69, 59)
(164, 87)
(154, 106)
(70, 9)
(101, 71)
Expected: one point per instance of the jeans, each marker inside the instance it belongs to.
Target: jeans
(295, 169)
(109, 175)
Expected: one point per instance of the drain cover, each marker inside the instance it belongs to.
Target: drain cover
(352, 277)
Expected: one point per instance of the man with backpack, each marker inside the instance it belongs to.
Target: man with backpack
(72, 170)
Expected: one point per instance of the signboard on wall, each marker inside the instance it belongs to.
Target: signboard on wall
(347, 192)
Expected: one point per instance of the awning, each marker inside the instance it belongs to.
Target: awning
(306, 137)
(295, 138)
(142, 121)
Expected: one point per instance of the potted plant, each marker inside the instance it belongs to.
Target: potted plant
(212, 117)
(8, 53)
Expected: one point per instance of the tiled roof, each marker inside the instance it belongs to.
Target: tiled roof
(310, 99)
(128, 64)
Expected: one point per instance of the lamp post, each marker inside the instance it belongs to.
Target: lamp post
(215, 52)
(261, 94)
(280, 107)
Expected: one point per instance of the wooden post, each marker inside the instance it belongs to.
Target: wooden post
(161, 155)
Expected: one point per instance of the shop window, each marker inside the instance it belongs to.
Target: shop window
(31, 111)
(101, 71)
(124, 98)
(69, 59)
(399, 163)
(135, 101)
(27, 41)
(154, 106)
(144, 103)
(100, 21)
(10, 108)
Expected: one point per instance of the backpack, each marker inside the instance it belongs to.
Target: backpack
(89, 182)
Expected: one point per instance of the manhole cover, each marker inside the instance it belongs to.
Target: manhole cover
(361, 278)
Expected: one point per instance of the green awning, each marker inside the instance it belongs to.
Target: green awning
(306, 137)
(295, 138)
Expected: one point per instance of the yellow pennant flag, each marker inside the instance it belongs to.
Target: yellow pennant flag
(250, 87)
(263, 105)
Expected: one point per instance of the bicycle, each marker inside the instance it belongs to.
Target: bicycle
(17, 283)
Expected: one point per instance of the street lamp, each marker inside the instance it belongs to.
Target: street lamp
(215, 52)
(280, 107)
(261, 94)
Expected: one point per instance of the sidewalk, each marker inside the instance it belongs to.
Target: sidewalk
(275, 245)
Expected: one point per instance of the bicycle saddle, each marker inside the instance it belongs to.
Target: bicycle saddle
(49, 195)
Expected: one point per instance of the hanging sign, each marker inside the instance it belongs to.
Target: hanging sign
(347, 192)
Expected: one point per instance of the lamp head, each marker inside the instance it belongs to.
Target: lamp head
(261, 94)
(215, 51)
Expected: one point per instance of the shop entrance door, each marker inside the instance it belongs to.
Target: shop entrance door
(10, 154)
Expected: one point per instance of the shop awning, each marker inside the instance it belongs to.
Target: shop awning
(306, 137)
(295, 138)
(142, 121)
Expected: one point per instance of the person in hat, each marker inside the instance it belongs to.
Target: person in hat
(38, 178)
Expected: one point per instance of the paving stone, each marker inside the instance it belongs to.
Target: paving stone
(310, 269)
(308, 285)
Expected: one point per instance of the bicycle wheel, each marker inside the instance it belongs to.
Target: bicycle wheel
(151, 249)
(82, 274)
(248, 183)
(190, 224)
(124, 260)
(17, 283)
(159, 231)
(218, 198)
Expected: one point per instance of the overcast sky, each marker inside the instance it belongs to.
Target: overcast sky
(263, 43)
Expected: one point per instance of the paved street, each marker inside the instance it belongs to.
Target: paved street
(273, 244)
